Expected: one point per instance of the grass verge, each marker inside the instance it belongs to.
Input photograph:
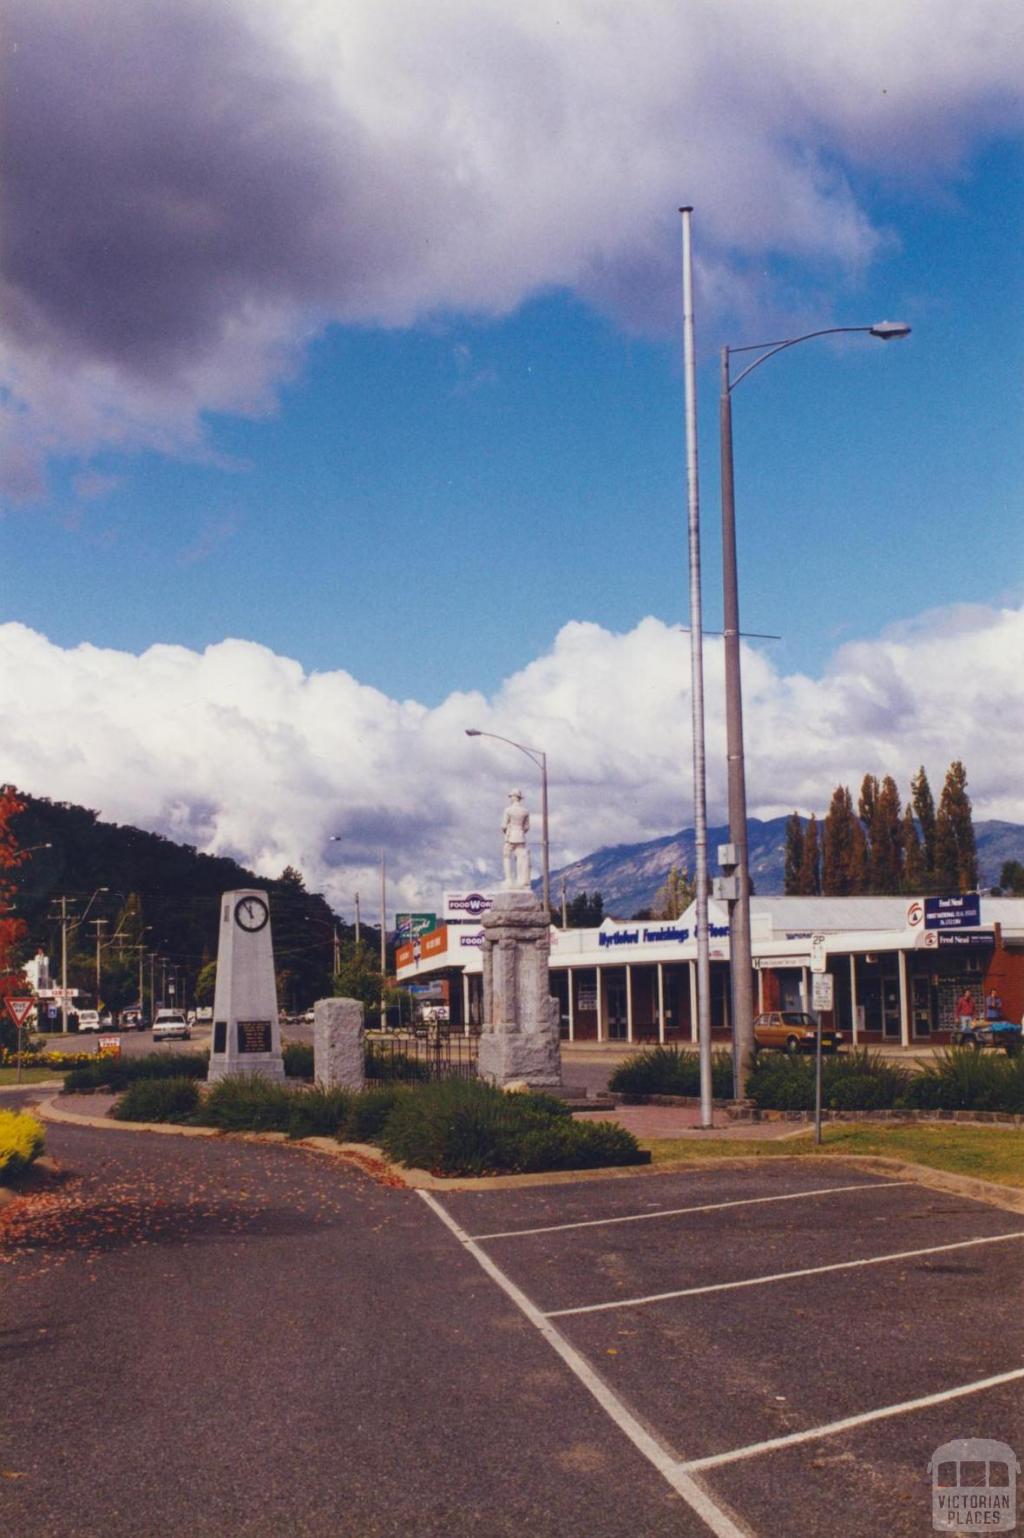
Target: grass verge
(985, 1153)
(30, 1075)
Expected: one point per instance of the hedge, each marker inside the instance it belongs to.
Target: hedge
(175, 1099)
(670, 1071)
(21, 1141)
(116, 1073)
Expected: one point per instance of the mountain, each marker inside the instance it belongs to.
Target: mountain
(124, 878)
(629, 875)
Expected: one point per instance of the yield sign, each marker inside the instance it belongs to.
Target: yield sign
(19, 1010)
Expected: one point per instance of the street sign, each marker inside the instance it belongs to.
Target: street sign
(19, 1010)
(822, 992)
(110, 1046)
(819, 960)
(953, 912)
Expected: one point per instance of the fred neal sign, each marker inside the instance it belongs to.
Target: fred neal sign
(953, 912)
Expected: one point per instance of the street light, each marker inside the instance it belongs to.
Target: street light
(541, 761)
(736, 886)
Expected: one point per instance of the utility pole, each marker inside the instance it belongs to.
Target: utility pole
(565, 910)
(383, 942)
(357, 920)
(337, 952)
(64, 966)
(99, 925)
(152, 987)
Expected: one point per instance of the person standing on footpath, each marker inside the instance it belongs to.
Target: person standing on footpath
(993, 1005)
(965, 1006)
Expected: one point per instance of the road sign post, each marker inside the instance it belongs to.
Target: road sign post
(822, 998)
(19, 1011)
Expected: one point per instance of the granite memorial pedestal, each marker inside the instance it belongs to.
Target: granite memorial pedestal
(246, 1030)
(519, 1041)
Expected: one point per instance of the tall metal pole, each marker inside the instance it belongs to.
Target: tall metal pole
(64, 966)
(740, 959)
(383, 942)
(357, 920)
(700, 817)
(565, 908)
(544, 828)
(99, 925)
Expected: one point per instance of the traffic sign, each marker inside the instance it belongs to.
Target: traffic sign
(19, 1010)
(822, 992)
(819, 960)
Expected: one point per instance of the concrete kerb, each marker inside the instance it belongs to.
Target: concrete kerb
(369, 1158)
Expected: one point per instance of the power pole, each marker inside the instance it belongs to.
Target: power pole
(99, 925)
(64, 966)
(337, 952)
(357, 920)
(383, 943)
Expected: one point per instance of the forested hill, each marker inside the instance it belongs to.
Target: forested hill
(161, 894)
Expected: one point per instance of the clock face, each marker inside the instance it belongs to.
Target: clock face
(251, 913)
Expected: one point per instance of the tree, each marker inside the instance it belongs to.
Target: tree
(885, 848)
(915, 874)
(868, 798)
(674, 895)
(794, 855)
(956, 855)
(358, 975)
(809, 875)
(12, 930)
(1011, 878)
(844, 852)
(586, 912)
(924, 811)
(206, 982)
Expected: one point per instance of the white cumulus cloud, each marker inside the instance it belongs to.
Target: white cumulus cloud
(241, 752)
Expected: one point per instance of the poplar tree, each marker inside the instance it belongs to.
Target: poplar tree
(794, 855)
(867, 802)
(924, 811)
(675, 894)
(12, 930)
(809, 877)
(837, 848)
(915, 874)
(885, 862)
(956, 855)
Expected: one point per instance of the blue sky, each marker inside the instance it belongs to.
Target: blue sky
(412, 447)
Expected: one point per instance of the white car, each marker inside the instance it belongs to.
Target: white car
(89, 1020)
(171, 1023)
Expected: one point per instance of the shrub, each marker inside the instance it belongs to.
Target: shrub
(117, 1073)
(384, 1064)
(962, 1079)
(462, 1127)
(318, 1112)
(670, 1071)
(247, 1103)
(369, 1111)
(855, 1081)
(298, 1059)
(175, 1099)
(21, 1140)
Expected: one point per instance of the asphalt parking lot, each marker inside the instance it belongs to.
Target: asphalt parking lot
(788, 1347)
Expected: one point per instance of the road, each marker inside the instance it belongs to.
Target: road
(218, 1338)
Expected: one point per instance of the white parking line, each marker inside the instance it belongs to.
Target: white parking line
(781, 1276)
(670, 1468)
(675, 1212)
(834, 1427)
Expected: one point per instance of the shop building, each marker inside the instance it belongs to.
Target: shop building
(898, 966)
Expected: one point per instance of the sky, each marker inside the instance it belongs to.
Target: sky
(341, 408)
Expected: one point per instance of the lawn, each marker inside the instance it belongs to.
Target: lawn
(29, 1075)
(987, 1153)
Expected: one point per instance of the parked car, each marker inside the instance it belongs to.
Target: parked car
(793, 1031)
(89, 1020)
(989, 1033)
(169, 1024)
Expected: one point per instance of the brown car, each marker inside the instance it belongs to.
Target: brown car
(793, 1031)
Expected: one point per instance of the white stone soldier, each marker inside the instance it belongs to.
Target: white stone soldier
(514, 825)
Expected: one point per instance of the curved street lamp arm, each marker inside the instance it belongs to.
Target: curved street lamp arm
(774, 347)
(532, 753)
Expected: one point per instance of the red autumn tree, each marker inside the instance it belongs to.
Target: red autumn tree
(12, 930)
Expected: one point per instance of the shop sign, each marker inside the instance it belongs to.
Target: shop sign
(466, 907)
(952, 912)
(411, 925)
(434, 943)
(950, 941)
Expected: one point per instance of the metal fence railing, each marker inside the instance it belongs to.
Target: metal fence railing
(421, 1055)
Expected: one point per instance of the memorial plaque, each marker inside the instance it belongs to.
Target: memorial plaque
(220, 1036)
(255, 1036)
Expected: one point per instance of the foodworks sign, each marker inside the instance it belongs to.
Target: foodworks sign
(466, 907)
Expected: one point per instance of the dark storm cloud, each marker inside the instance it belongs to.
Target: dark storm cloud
(166, 173)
